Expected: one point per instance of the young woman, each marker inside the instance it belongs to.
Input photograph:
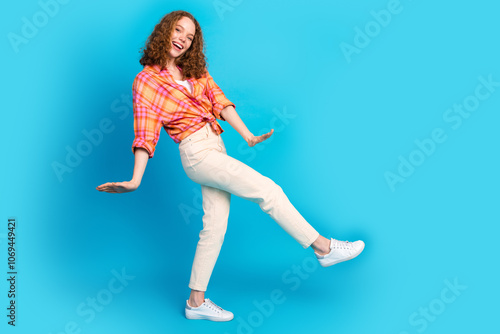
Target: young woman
(176, 92)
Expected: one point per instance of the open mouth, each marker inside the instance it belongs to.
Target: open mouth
(177, 46)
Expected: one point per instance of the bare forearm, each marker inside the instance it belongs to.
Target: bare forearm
(232, 117)
(141, 160)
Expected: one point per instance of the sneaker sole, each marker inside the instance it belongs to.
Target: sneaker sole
(205, 317)
(343, 260)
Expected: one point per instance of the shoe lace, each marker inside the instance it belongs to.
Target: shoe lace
(213, 306)
(337, 244)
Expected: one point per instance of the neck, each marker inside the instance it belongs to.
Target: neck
(171, 63)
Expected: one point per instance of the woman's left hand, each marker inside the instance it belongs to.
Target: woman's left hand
(254, 140)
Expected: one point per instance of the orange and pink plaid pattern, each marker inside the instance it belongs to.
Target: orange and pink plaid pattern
(159, 101)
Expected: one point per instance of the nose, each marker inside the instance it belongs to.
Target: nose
(182, 38)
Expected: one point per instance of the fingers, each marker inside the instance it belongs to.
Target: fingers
(106, 184)
(259, 139)
(265, 136)
(103, 186)
(110, 187)
(107, 189)
(111, 191)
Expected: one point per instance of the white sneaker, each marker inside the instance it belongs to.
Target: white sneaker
(209, 311)
(340, 251)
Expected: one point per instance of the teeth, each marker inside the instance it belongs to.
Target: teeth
(178, 45)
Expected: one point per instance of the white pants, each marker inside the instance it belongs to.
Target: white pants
(205, 161)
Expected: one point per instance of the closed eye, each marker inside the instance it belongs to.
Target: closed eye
(179, 30)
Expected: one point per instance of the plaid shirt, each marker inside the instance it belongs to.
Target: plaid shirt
(159, 101)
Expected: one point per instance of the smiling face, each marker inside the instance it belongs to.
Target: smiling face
(182, 37)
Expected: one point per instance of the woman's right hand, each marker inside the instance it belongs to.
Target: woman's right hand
(118, 187)
(141, 159)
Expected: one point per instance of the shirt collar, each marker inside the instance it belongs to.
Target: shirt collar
(169, 78)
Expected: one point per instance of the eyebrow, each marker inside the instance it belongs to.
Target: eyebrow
(178, 25)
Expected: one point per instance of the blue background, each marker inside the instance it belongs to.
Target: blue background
(350, 118)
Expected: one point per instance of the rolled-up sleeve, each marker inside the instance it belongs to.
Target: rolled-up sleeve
(217, 97)
(147, 122)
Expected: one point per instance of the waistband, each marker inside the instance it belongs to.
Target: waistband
(205, 131)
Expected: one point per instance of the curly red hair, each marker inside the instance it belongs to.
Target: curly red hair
(155, 52)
